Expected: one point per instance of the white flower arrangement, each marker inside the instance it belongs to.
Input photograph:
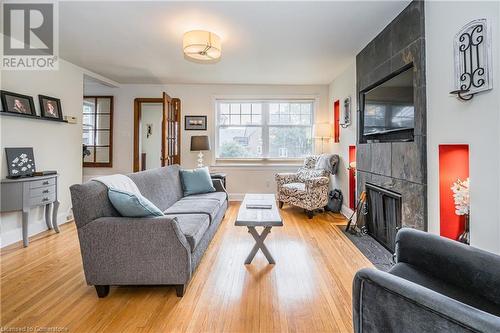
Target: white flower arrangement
(461, 196)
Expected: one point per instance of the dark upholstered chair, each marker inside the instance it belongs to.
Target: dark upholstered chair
(437, 285)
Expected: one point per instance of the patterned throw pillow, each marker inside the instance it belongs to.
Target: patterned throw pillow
(306, 174)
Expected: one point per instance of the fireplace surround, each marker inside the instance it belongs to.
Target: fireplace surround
(399, 167)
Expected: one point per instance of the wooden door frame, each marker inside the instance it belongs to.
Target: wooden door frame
(137, 121)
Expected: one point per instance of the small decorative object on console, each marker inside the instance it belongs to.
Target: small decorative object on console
(462, 204)
(20, 162)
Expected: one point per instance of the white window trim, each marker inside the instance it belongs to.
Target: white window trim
(265, 161)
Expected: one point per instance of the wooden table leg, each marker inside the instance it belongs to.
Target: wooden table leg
(47, 216)
(259, 244)
(54, 216)
(26, 216)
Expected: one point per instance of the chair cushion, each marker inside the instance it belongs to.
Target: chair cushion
(196, 181)
(411, 273)
(193, 226)
(187, 206)
(132, 205)
(220, 197)
(294, 189)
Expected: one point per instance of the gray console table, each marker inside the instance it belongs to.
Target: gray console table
(26, 193)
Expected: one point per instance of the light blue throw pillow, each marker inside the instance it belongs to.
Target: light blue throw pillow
(196, 181)
(131, 205)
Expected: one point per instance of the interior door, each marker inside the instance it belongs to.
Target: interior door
(171, 153)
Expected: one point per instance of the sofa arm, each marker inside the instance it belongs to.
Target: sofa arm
(122, 250)
(219, 186)
(285, 178)
(386, 303)
(316, 182)
(451, 261)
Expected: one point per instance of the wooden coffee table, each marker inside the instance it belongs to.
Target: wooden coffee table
(252, 218)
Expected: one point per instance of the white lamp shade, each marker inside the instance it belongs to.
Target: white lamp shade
(323, 130)
(201, 45)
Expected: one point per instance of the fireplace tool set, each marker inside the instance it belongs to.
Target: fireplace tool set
(359, 225)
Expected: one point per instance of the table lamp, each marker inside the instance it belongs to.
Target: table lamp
(200, 143)
(323, 131)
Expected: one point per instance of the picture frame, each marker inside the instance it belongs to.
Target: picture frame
(20, 162)
(195, 123)
(17, 104)
(50, 107)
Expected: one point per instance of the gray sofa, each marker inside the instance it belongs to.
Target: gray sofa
(437, 285)
(161, 250)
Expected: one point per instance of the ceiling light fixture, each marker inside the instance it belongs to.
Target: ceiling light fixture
(201, 45)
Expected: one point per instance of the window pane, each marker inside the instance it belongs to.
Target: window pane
(88, 138)
(224, 119)
(88, 121)
(224, 108)
(246, 108)
(235, 108)
(103, 105)
(102, 138)
(103, 121)
(102, 154)
(290, 142)
(240, 142)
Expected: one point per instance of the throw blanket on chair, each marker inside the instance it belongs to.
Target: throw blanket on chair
(119, 182)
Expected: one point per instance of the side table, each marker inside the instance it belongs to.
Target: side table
(29, 192)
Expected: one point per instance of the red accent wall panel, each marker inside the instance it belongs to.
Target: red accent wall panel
(352, 178)
(453, 164)
(336, 121)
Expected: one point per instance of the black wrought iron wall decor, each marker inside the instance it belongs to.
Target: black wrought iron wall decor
(472, 48)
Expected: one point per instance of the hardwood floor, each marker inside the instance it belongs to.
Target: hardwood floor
(308, 290)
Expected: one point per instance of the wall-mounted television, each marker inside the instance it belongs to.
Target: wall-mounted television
(388, 110)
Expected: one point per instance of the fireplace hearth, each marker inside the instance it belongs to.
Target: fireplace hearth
(384, 215)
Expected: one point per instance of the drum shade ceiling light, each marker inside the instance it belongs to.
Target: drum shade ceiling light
(201, 45)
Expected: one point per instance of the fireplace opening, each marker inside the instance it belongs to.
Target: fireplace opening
(384, 215)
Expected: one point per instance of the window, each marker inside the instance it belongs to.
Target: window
(97, 131)
(264, 129)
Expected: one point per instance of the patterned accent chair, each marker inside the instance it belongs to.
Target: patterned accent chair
(308, 187)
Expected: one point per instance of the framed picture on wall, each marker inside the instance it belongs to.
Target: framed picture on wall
(50, 107)
(17, 103)
(195, 123)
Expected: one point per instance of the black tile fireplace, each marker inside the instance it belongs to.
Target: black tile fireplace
(384, 215)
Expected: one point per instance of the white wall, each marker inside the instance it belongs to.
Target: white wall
(342, 87)
(475, 122)
(151, 114)
(57, 146)
(199, 100)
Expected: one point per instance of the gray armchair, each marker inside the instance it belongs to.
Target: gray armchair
(437, 285)
(308, 187)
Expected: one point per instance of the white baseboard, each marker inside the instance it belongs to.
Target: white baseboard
(34, 227)
(346, 211)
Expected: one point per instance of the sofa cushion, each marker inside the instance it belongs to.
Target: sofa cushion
(196, 181)
(193, 226)
(161, 186)
(293, 189)
(411, 273)
(132, 204)
(220, 197)
(201, 206)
